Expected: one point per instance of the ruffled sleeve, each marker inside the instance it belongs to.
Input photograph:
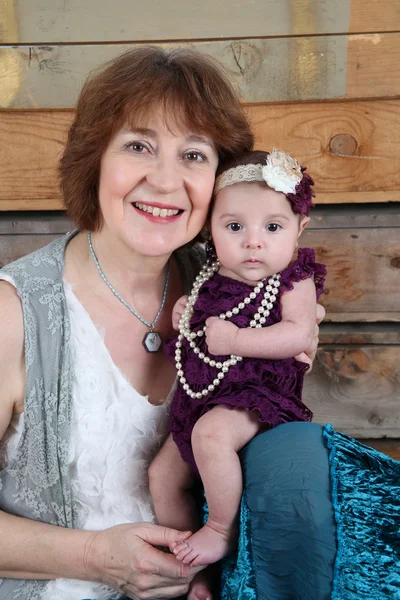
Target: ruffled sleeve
(303, 268)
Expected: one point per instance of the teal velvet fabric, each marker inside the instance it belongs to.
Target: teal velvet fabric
(366, 500)
(287, 544)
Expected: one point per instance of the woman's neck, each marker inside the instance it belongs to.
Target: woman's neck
(130, 273)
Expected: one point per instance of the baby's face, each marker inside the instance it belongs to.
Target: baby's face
(254, 230)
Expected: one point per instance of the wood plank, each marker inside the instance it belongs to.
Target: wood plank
(377, 16)
(389, 447)
(30, 145)
(359, 268)
(348, 216)
(357, 389)
(307, 130)
(360, 333)
(31, 142)
(263, 70)
(363, 271)
(96, 21)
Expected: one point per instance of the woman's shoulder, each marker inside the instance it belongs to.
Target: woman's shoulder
(304, 267)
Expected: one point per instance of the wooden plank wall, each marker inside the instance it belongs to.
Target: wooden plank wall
(319, 78)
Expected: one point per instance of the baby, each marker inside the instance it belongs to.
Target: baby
(251, 310)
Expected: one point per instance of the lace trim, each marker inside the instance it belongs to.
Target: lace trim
(239, 174)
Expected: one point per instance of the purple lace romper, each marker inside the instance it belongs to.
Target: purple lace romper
(272, 387)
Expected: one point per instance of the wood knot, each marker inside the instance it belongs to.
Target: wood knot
(395, 262)
(343, 144)
(375, 419)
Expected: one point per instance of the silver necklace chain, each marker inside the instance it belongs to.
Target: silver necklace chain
(114, 291)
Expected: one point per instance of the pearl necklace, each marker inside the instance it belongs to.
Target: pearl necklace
(258, 320)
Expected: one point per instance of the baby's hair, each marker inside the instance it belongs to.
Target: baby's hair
(301, 194)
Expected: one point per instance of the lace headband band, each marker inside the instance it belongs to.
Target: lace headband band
(281, 172)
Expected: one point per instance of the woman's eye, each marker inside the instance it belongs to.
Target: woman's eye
(137, 147)
(273, 227)
(234, 227)
(194, 156)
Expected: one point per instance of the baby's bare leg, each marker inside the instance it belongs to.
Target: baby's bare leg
(170, 479)
(216, 439)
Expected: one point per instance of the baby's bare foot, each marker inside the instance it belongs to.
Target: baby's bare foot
(204, 547)
(200, 588)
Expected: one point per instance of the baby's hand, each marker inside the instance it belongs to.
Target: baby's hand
(177, 311)
(220, 336)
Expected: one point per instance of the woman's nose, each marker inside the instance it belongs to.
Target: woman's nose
(165, 176)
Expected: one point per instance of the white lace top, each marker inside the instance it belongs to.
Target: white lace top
(115, 433)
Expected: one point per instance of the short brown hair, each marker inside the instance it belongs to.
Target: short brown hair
(188, 86)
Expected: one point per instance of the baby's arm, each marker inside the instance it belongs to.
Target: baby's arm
(291, 336)
(177, 311)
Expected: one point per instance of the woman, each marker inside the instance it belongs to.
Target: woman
(83, 407)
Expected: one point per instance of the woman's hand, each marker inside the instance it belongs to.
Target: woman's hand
(177, 311)
(309, 356)
(124, 557)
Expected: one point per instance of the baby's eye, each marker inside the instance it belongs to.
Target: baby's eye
(234, 227)
(273, 227)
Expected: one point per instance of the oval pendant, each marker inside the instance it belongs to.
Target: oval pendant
(152, 341)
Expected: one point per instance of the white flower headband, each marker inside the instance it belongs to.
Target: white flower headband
(281, 172)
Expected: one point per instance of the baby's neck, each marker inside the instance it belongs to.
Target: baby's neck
(232, 275)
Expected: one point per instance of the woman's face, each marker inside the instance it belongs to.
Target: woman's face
(155, 186)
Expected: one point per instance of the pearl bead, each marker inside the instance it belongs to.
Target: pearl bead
(222, 316)
(241, 305)
(212, 363)
(196, 350)
(256, 317)
(263, 320)
(216, 382)
(206, 359)
(225, 369)
(229, 314)
(252, 323)
(256, 289)
(211, 387)
(180, 373)
(221, 375)
(252, 295)
(198, 395)
(185, 387)
(218, 365)
(235, 310)
(258, 325)
(246, 300)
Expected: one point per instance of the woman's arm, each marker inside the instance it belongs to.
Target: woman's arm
(292, 335)
(122, 557)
